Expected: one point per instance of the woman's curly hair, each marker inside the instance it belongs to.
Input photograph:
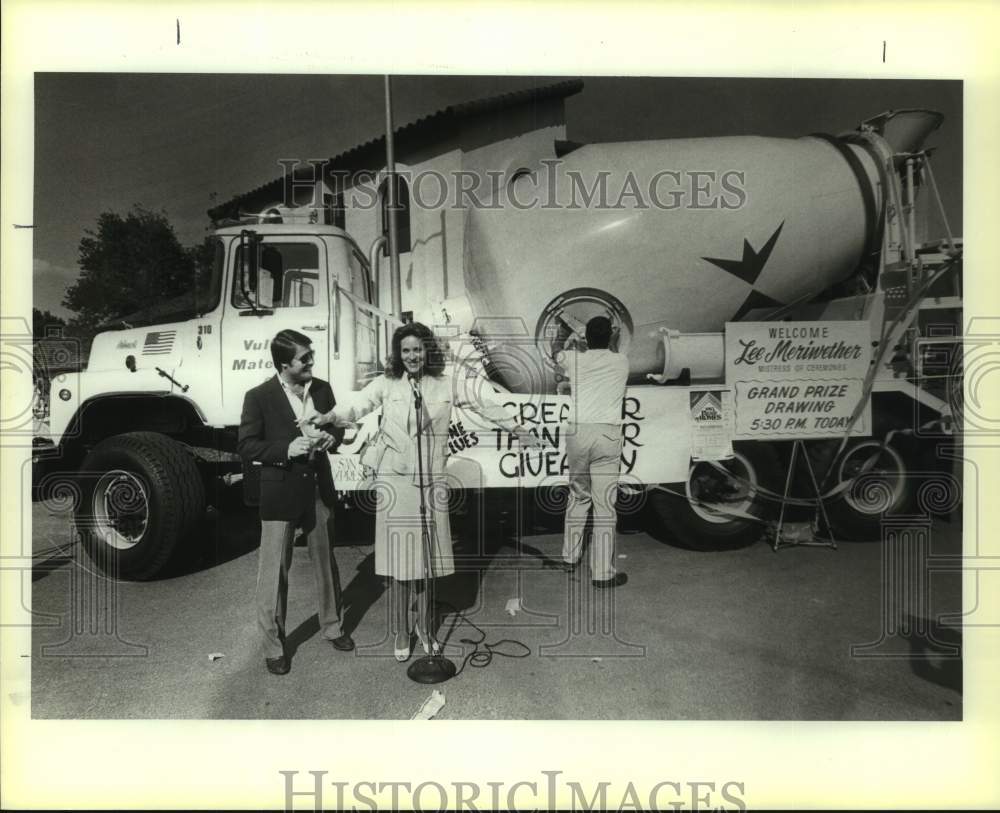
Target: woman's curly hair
(434, 358)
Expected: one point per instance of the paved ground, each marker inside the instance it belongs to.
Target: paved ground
(747, 634)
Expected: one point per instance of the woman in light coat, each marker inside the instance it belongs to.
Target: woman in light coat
(416, 366)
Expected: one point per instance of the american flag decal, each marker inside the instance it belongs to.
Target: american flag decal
(158, 343)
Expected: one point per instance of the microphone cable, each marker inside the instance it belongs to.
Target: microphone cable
(483, 652)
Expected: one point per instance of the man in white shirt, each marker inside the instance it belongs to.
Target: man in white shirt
(597, 378)
(296, 492)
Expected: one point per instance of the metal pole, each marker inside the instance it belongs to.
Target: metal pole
(897, 203)
(911, 217)
(433, 667)
(373, 265)
(390, 168)
(425, 536)
(940, 205)
(911, 202)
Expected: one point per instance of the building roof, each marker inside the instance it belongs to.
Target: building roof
(408, 136)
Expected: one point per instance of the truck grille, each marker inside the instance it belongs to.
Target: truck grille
(159, 342)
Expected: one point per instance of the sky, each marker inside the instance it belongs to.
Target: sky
(184, 142)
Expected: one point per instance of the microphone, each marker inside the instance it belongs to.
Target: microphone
(415, 387)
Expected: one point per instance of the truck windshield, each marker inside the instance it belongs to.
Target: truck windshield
(288, 277)
(202, 296)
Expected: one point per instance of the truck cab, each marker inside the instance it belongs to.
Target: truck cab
(273, 277)
(154, 394)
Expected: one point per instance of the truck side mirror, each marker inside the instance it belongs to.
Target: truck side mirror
(249, 266)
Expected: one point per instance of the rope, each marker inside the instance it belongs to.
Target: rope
(885, 345)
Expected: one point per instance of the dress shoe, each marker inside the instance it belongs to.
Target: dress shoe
(277, 666)
(427, 641)
(344, 643)
(565, 567)
(401, 648)
(615, 581)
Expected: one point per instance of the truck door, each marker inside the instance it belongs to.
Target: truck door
(355, 351)
(289, 291)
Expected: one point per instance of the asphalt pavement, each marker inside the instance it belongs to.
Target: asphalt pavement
(804, 633)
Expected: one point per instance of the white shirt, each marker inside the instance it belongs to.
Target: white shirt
(597, 381)
(301, 407)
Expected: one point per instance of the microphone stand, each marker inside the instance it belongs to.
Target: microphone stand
(433, 668)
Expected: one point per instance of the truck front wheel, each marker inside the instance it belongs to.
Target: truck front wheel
(721, 504)
(141, 499)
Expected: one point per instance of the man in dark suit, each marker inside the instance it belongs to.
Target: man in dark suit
(296, 491)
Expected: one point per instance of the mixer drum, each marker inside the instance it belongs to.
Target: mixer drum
(684, 234)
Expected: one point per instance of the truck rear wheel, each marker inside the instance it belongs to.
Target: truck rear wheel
(142, 498)
(882, 484)
(705, 513)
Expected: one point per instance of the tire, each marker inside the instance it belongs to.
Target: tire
(693, 524)
(887, 486)
(142, 498)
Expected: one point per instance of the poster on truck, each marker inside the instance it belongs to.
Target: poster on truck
(799, 380)
(655, 443)
(711, 424)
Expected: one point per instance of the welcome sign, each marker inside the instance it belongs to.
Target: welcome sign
(798, 380)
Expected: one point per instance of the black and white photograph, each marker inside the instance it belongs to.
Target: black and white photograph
(545, 398)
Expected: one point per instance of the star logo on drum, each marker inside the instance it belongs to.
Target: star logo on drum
(748, 268)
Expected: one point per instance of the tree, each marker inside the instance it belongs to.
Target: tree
(126, 264)
(43, 321)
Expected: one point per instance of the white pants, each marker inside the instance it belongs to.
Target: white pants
(593, 452)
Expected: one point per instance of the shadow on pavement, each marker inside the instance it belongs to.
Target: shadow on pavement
(937, 656)
(223, 536)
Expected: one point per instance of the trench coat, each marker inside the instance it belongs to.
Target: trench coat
(393, 454)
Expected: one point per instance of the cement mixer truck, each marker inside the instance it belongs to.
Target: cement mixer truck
(773, 296)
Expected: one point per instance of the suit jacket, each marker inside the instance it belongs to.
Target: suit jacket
(267, 426)
(394, 450)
